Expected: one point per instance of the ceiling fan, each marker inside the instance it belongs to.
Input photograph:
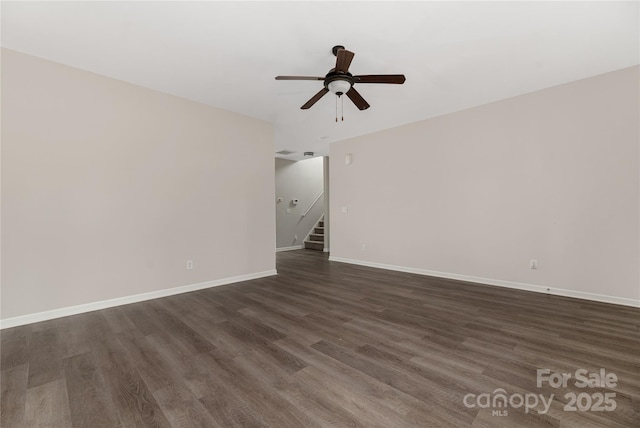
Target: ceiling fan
(339, 81)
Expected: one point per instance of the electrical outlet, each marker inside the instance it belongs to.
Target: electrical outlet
(364, 247)
(533, 264)
(189, 264)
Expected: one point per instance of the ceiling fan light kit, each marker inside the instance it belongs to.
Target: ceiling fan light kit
(339, 86)
(339, 81)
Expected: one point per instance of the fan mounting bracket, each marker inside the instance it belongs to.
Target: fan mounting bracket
(336, 48)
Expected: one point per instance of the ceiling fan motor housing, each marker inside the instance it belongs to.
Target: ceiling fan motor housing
(336, 78)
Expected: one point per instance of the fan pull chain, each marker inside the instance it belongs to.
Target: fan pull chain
(341, 107)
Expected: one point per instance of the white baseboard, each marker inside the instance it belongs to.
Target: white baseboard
(295, 247)
(497, 282)
(104, 304)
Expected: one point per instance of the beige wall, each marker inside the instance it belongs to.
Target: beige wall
(108, 189)
(551, 175)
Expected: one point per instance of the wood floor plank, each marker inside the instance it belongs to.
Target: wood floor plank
(117, 321)
(133, 402)
(182, 409)
(14, 346)
(74, 340)
(226, 405)
(147, 361)
(199, 304)
(273, 382)
(361, 408)
(289, 363)
(420, 390)
(90, 405)
(177, 328)
(259, 328)
(13, 395)
(138, 315)
(45, 357)
(283, 323)
(387, 399)
(47, 405)
(287, 393)
(182, 362)
(256, 402)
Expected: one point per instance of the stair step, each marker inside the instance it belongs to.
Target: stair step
(318, 230)
(321, 223)
(316, 237)
(314, 245)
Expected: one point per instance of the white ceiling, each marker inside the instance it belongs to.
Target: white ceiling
(455, 55)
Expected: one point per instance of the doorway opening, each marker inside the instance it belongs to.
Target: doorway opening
(302, 204)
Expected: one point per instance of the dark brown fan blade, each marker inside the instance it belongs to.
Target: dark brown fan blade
(357, 99)
(380, 78)
(343, 60)
(298, 78)
(315, 98)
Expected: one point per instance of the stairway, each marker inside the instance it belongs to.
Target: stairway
(316, 237)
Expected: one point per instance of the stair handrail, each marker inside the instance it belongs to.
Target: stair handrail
(313, 203)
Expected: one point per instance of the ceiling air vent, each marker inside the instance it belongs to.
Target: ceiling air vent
(285, 152)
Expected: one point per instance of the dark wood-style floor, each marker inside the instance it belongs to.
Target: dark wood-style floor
(323, 344)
